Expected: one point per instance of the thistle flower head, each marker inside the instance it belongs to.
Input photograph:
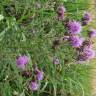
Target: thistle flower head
(34, 86)
(87, 44)
(76, 41)
(81, 57)
(92, 33)
(39, 74)
(74, 27)
(86, 18)
(21, 61)
(61, 11)
(89, 53)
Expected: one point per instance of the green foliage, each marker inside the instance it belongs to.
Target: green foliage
(29, 30)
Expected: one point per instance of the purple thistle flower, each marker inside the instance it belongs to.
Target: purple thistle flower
(21, 61)
(34, 86)
(76, 41)
(82, 58)
(92, 33)
(39, 74)
(86, 18)
(61, 11)
(74, 27)
(87, 44)
(56, 61)
(89, 53)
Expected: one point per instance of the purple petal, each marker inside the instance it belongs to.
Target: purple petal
(34, 86)
(40, 75)
(76, 41)
(92, 33)
(21, 61)
(74, 27)
(61, 11)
